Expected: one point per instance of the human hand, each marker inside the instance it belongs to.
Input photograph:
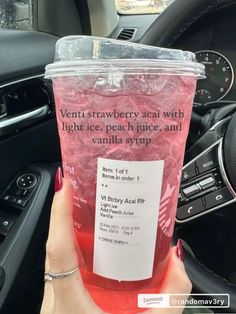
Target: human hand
(63, 296)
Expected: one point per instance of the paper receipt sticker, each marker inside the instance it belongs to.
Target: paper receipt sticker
(127, 206)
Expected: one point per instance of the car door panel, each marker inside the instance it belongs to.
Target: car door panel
(27, 148)
(22, 251)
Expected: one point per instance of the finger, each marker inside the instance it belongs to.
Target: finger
(69, 293)
(175, 282)
(48, 298)
(61, 249)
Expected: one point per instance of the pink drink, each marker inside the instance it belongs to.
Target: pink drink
(122, 140)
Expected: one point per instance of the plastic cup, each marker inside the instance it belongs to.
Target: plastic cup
(123, 112)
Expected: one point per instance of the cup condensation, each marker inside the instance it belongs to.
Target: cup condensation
(122, 107)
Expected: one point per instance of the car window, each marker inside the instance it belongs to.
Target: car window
(141, 6)
(16, 14)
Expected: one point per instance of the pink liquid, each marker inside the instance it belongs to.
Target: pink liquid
(79, 153)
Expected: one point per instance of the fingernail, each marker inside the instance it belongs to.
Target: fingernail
(180, 250)
(58, 180)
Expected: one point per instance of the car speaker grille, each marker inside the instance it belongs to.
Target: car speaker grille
(126, 33)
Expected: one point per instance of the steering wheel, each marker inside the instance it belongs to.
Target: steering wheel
(218, 148)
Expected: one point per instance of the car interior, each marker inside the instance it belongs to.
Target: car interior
(30, 148)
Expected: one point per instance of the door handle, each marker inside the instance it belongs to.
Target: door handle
(10, 125)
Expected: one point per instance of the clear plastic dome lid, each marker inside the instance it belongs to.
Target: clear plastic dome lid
(77, 55)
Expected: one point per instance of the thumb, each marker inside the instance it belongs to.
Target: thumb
(69, 292)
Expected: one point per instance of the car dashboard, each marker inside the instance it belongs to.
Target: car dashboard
(213, 39)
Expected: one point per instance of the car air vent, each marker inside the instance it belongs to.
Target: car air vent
(126, 33)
